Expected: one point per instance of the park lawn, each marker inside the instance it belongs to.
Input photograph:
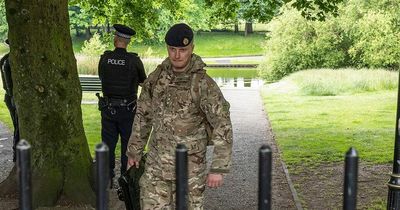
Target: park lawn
(316, 117)
(4, 114)
(313, 130)
(3, 49)
(207, 44)
(92, 124)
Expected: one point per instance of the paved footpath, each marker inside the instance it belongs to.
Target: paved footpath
(251, 130)
(239, 192)
(5, 151)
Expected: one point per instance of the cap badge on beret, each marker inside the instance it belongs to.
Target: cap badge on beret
(185, 41)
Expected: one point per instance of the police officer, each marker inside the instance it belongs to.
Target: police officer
(120, 73)
(8, 97)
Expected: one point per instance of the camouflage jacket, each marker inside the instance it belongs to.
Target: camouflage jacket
(167, 111)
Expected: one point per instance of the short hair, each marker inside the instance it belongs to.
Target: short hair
(123, 40)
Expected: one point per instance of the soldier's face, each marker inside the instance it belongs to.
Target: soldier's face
(180, 56)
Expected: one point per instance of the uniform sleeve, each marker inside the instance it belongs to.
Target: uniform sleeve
(3, 74)
(141, 71)
(216, 109)
(141, 127)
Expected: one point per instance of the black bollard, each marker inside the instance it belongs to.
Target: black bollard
(102, 176)
(393, 201)
(181, 171)
(24, 174)
(350, 180)
(264, 178)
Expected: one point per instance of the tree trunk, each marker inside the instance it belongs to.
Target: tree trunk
(236, 26)
(77, 34)
(48, 98)
(108, 27)
(88, 33)
(248, 28)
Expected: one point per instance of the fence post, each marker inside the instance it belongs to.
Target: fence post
(181, 171)
(264, 178)
(393, 200)
(24, 174)
(350, 180)
(102, 176)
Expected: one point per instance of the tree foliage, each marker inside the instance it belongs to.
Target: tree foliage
(364, 34)
(3, 21)
(79, 18)
(150, 18)
(264, 10)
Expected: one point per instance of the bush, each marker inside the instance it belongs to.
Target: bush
(94, 46)
(376, 43)
(296, 44)
(364, 35)
(87, 64)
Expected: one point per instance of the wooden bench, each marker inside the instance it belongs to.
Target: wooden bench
(90, 83)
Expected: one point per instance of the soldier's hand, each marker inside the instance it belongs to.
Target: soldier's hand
(214, 180)
(132, 162)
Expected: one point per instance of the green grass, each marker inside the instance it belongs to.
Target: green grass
(3, 49)
(4, 114)
(92, 124)
(207, 44)
(232, 73)
(89, 64)
(313, 130)
(325, 82)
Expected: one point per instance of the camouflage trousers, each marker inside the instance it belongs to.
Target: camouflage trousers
(160, 194)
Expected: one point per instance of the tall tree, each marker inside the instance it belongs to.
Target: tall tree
(48, 98)
(264, 10)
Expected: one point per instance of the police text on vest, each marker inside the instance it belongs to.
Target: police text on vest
(116, 62)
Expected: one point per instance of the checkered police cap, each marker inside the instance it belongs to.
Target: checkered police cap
(123, 31)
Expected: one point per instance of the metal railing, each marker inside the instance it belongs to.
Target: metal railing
(102, 177)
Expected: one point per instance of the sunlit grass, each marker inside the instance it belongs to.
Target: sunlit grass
(232, 73)
(3, 49)
(207, 44)
(343, 81)
(313, 130)
(89, 64)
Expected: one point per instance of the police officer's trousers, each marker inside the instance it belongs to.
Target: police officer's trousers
(116, 122)
(14, 117)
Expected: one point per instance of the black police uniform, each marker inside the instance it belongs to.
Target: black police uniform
(9, 99)
(120, 73)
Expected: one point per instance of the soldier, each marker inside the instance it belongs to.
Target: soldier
(179, 102)
(120, 73)
(9, 97)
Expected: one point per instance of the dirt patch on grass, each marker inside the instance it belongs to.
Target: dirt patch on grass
(322, 187)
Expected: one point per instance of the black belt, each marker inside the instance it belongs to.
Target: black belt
(119, 102)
